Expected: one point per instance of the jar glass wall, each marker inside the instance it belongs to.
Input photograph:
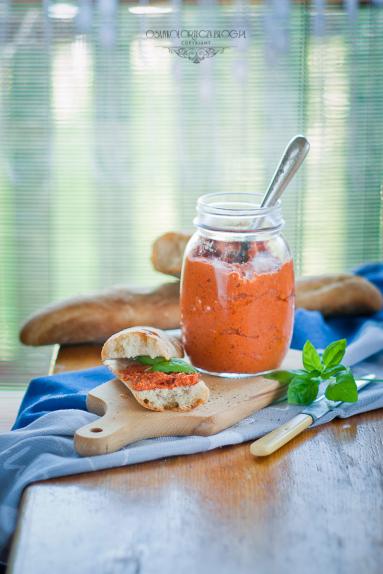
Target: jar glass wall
(237, 287)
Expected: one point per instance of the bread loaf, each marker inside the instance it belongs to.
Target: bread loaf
(343, 294)
(95, 317)
(168, 251)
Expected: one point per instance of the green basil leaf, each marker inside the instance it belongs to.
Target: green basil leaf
(333, 371)
(334, 353)
(343, 388)
(146, 360)
(311, 358)
(302, 390)
(174, 366)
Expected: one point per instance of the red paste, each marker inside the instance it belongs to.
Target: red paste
(236, 319)
(142, 379)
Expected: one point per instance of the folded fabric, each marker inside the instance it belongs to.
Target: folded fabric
(54, 407)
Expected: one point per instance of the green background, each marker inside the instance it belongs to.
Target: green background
(107, 140)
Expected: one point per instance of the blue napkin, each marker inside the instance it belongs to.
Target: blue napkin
(69, 390)
(57, 392)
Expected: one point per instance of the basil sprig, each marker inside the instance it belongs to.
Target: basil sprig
(159, 364)
(303, 384)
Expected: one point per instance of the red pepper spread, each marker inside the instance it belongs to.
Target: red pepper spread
(141, 378)
(237, 311)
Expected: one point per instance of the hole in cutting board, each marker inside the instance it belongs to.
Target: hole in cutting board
(96, 429)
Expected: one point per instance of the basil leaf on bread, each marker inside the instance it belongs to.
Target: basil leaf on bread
(159, 364)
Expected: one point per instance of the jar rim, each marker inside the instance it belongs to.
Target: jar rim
(232, 204)
(238, 213)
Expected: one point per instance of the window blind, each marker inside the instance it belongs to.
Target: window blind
(108, 138)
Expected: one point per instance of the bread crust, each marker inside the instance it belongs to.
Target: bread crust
(136, 341)
(202, 398)
(168, 251)
(95, 317)
(338, 295)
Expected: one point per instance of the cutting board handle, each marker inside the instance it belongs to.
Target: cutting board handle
(99, 437)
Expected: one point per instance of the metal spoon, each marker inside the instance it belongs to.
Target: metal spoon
(291, 161)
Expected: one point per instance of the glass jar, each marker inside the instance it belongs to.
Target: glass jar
(237, 286)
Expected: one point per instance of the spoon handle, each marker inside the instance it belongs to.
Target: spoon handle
(291, 161)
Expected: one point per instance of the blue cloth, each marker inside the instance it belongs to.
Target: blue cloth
(69, 390)
(57, 392)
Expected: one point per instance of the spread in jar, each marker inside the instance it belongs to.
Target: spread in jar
(234, 318)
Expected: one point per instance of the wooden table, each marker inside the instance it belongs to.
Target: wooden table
(316, 506)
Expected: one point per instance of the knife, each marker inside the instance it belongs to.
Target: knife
(310, 414)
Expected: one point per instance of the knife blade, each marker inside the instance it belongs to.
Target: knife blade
(322, 406)
(283, 434)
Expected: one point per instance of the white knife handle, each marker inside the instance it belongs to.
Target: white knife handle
(280, 436)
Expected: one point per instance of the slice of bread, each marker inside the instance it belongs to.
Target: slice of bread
(178, 399)
(136, 341)
(121, 348)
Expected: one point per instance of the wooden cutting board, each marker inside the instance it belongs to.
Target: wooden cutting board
(123, 421)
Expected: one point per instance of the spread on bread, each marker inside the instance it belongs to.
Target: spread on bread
(149, 362)
(142, 378)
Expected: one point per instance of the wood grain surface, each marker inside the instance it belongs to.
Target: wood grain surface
(315, 506)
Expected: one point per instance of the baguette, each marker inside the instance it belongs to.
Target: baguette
(343, 294)
(95, 317)
(156, 391)
(168, 251)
